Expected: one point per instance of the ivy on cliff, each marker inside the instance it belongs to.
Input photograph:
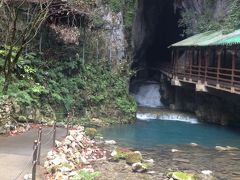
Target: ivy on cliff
(194, 22)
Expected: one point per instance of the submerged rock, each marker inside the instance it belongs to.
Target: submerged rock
(193, 144)
(227, 148)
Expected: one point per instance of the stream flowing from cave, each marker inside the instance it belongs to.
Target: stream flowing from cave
(158, 131)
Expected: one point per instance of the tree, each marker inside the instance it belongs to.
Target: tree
(20, 22)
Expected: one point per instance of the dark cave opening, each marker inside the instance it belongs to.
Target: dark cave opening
(159, 21)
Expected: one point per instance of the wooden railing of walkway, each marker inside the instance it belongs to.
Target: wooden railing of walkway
(224, 79)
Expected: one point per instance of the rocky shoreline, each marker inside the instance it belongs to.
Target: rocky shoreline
(79, 157)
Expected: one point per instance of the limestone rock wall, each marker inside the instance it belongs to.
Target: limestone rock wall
(11, 113)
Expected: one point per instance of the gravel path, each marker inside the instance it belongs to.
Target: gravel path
(16, 152)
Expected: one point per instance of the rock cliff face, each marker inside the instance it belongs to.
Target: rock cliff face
(155, 28)
(114, 32)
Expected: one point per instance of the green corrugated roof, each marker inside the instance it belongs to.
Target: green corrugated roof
(210, 38)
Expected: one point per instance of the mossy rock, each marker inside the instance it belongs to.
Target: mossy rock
(22, 119)
(121, 153)
(91, 132)
(134, 157)
(181, 176)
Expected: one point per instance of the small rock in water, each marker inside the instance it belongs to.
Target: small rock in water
(227, 148)
(193, 144)
(110, 142)
(206, 172)
(230, 148)
(175, 150)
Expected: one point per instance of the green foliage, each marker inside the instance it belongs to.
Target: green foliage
(194, 22)
(232, 22)
(116, 5)
(93, 89)
(86, 175)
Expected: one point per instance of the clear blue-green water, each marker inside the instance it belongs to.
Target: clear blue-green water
(145, 134)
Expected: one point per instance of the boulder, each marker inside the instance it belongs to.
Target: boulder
(91, 132)
(134, 157)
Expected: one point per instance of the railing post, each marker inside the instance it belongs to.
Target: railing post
(54, 134)
(68, 117)
(39, 145)
(35, 149)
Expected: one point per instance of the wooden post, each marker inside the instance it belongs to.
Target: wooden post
(54, 134)
(199, 63)
(176, 62)
(34, 168)
(39, 145)
(185, 62)
(233, 68)
(206, 57)
(218, 66)
(68, 117)
(191, 61)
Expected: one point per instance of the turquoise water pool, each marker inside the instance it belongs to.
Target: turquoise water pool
(145, 134)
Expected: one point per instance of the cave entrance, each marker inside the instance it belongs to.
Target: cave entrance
(159, 23)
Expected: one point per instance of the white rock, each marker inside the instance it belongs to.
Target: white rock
(114, 153)
(230, 148)
(151, 172)
(150, 161)
(193, 144)
(67, 142)
(84, 160)
(138, 167)
(73, 173)
(64, 170)
(74, 145)
(79, 137)
(71, 138)
(73, 132)
(174, 150)
(27, 176)
(56, 161)
(110, 142)
(206, 172)
(58, 143)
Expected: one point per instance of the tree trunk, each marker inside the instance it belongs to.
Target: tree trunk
(6, 83)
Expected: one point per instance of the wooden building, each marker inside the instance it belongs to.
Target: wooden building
(209, 60)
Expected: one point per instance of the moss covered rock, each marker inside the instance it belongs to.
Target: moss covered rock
(91, 132)
(134, 157)
(178, 175)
